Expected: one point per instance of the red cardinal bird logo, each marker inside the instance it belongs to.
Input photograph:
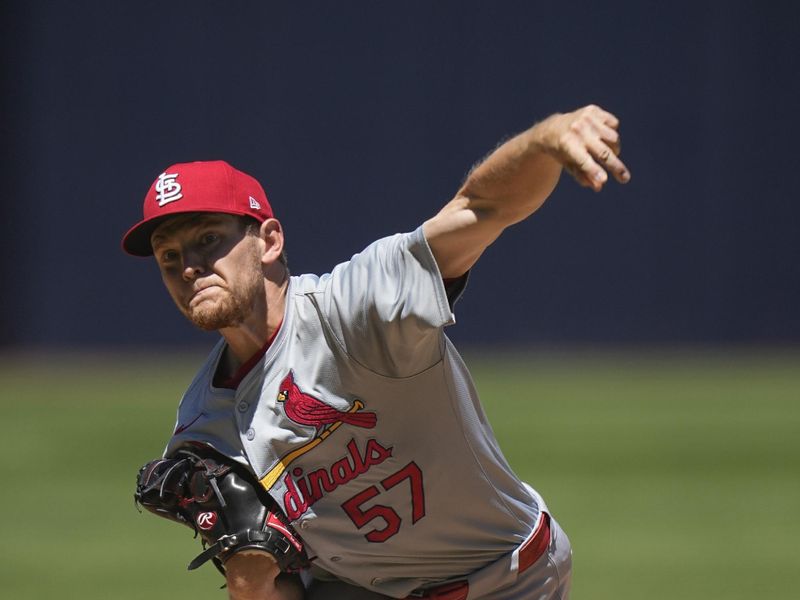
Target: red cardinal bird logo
(308, 410)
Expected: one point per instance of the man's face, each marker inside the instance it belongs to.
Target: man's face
(211, 268)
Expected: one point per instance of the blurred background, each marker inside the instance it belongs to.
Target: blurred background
(647, 338)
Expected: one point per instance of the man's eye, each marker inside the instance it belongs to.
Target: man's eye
(169, 256)
(209, 238)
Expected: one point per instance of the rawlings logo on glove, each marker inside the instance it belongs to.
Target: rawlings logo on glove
(223, 503)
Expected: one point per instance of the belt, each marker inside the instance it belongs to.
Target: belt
(529, 553)
(532, 549)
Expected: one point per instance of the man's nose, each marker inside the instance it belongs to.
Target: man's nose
(194, 265)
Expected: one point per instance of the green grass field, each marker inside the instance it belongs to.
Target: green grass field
(676, 475)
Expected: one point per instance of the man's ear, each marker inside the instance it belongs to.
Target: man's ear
(271, 233)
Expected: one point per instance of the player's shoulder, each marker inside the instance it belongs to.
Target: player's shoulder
(388, 250)
(307, 283)
(378, 251)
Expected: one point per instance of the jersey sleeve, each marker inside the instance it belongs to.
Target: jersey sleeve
(388, 304)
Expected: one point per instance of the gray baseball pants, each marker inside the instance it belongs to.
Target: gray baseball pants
(547, 579)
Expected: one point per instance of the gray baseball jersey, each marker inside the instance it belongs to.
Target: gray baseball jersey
(362, 422)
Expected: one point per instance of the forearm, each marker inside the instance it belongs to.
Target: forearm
(515, 179)
(257, 577)
(505, 188)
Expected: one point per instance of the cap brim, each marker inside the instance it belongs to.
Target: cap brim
(137, 241)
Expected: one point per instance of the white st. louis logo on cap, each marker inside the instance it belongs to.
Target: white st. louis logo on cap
(167, 189)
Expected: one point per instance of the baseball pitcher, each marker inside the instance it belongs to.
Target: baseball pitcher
(332, 445)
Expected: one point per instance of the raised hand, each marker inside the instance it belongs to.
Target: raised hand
(587, 144)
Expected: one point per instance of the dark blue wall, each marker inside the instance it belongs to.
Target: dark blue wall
(361, 119)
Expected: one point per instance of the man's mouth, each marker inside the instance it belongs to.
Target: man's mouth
(201, 294)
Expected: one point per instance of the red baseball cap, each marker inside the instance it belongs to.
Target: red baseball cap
(203, 186)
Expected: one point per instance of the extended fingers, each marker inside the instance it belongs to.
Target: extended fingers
(608, 140)
(610, 136)
(590, 146)
(607, 157)
(580, 177)
(582, 166)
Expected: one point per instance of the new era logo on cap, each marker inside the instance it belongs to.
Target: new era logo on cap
(209, 186)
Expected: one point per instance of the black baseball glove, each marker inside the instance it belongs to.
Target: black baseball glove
(223, 503)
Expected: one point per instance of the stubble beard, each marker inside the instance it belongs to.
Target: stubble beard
(232, 306)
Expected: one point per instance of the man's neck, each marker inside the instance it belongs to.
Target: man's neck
(253, 333)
